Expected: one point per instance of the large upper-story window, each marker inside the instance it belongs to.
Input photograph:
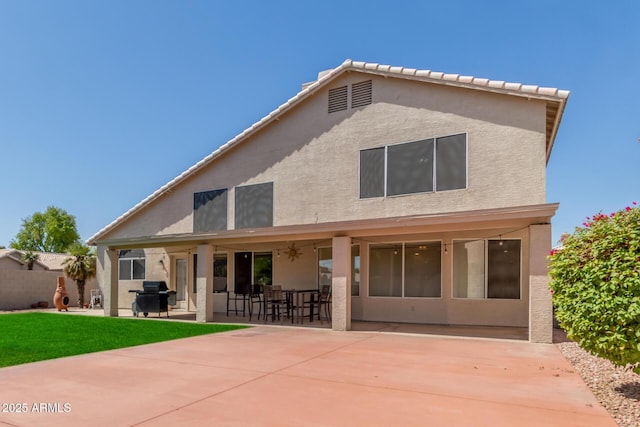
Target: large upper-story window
(435, 164)
(254, 206)
(131, 264)
(210, 210)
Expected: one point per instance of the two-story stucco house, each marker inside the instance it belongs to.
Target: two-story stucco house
(419, 196)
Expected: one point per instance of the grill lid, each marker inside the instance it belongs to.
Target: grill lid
(154, 286)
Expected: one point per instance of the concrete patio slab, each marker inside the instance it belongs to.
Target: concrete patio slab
(287, 376)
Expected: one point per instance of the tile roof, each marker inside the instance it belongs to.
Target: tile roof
(53, 261)
(14, 254)
(556, 99)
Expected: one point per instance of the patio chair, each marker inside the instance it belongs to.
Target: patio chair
(324, 299)
(95, 299)
(308, 305)
(256, 297)
(242, 293)
(275, 300)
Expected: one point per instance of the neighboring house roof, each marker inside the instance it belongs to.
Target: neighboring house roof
(555, 98)
(53, 261)
(13, 254)
(49, 261)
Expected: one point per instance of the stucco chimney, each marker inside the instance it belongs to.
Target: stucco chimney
(321, 74)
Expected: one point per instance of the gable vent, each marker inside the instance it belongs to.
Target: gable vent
(338, 99)
(361, 94)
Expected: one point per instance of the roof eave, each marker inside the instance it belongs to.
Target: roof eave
(541, 212)
(556, 126)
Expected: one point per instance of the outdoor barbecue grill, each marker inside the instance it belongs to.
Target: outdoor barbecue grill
(154, 297)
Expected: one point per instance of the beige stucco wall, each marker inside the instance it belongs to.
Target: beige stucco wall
(10, 264)
(21, 288)
(313, 157)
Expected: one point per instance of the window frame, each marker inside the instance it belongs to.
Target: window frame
(401, 246)
(434, 163)
(205, 216)
(130, 260)
(219, 256)
(243, 221)
(486, 269)
(265, 255)
(319, 251)
(356, 291)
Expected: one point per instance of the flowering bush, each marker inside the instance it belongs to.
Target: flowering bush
(595, 282)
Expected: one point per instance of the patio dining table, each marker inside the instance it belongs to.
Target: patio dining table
(296, 300)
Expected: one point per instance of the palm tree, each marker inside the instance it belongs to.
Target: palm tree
(80, 267)
(30, 258)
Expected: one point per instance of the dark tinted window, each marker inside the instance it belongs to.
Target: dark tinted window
(410, 168)
(254, 206)
(372, 173)
(503, 269)
(451, 162)
(210, 210)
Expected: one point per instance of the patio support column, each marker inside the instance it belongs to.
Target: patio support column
(540, 306)
(341, 284)
(107, 274)
(204, 284)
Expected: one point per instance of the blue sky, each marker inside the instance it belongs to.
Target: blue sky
(103, 102)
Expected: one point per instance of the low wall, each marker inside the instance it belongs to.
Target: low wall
(21, 288)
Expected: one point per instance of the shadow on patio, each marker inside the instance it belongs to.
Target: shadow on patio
(497, 332)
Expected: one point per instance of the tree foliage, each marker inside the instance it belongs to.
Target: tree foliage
(51, 231)
(80, 267)
(30, 258)
(595, 282)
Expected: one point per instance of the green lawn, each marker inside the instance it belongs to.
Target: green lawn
(29, 337)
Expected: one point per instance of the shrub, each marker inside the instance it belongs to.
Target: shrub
(595, 282)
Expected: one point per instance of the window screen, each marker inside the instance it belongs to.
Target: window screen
(503, 269)
(468, 269)
(410, 168)
(210, 210)
(372, 173)
(422, 270)
(254, 206)
(493, 265)
(385, 271)
(451, 162)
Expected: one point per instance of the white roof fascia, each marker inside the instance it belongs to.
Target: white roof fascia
(543, 211)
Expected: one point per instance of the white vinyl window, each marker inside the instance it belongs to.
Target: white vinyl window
(131, 264)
